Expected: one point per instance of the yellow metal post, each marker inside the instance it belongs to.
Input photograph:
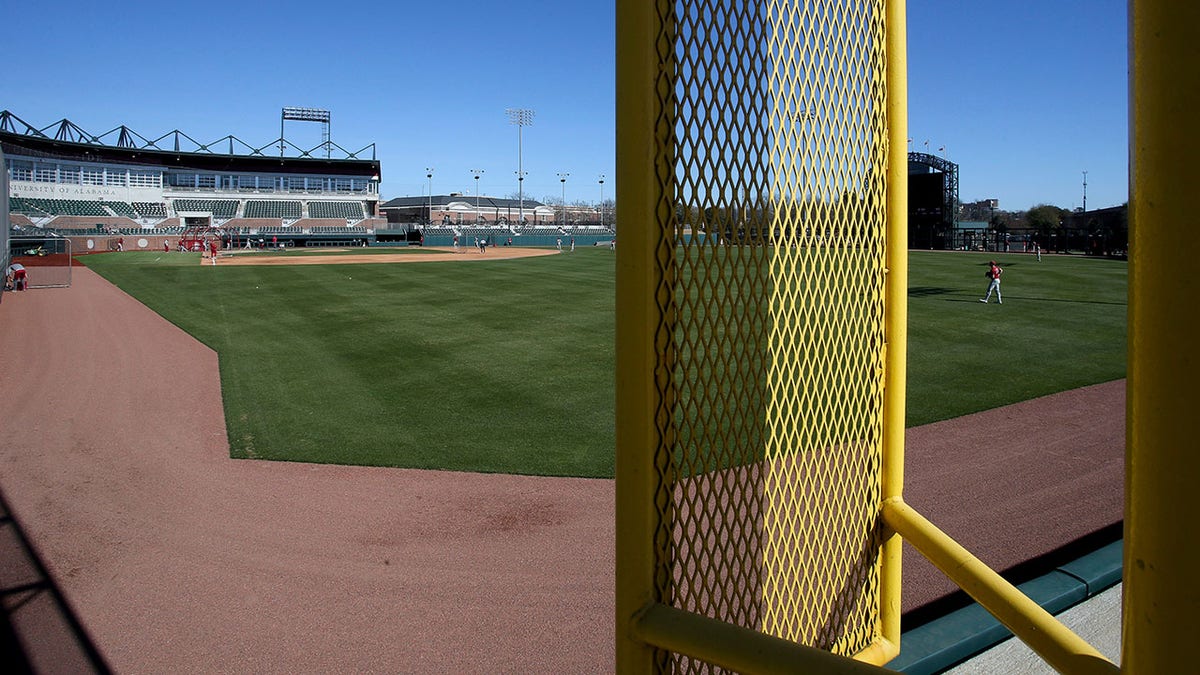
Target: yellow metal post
(639, 277)
(1162, 589)
(895, 309)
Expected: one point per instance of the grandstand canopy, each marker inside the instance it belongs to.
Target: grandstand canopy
(62, 177)
(67, 140)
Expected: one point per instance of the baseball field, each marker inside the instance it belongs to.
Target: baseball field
(506, 365)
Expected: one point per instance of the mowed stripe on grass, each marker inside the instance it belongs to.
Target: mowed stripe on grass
(507, 366)
(501, 366)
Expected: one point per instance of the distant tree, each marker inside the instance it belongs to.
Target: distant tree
(1046, 219)
(1044, 216)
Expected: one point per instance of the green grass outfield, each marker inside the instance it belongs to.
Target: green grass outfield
(507, 366)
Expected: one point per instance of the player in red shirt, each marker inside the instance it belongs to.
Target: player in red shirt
(993, 273)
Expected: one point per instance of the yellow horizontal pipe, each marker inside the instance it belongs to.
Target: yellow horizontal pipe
(737, 648)
(1062, 649)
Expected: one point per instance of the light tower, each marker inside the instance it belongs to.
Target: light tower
(429, 175)
(522, 117)
(601, 200)
(1085, 191)
(562, 178)
(477, 172)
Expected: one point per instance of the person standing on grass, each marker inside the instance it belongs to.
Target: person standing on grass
(993, 273)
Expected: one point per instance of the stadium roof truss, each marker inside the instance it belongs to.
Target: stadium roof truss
(66, 130)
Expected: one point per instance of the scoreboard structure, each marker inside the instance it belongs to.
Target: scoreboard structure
(932, 201)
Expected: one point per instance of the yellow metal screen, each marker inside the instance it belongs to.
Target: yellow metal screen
(768, 200)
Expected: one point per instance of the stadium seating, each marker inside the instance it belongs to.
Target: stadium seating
(548, 230)
(586, 230)
(339, 230)
(255, 224)
(485, 232)
(121, 209)
(220, 208)
(36, 206)
(260, 208)
(309, 223)
(150, 209)
(346, 210)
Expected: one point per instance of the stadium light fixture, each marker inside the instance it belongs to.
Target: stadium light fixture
(477, 173)
(562, 178)
(304, 115)
(522, 117)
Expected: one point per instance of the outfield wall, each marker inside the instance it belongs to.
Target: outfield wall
(103, 243)
(526, 240)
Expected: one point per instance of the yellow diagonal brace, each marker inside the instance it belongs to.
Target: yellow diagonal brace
(1044, 634)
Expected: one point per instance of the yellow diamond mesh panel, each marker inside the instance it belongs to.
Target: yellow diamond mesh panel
(773, 318)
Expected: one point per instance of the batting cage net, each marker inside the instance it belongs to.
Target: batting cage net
(46, 259)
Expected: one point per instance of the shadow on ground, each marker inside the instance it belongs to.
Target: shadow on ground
(39, 633)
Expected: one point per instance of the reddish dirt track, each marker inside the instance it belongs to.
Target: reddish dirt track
(177, 558)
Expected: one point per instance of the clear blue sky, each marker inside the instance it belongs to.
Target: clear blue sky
(1025, 95)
